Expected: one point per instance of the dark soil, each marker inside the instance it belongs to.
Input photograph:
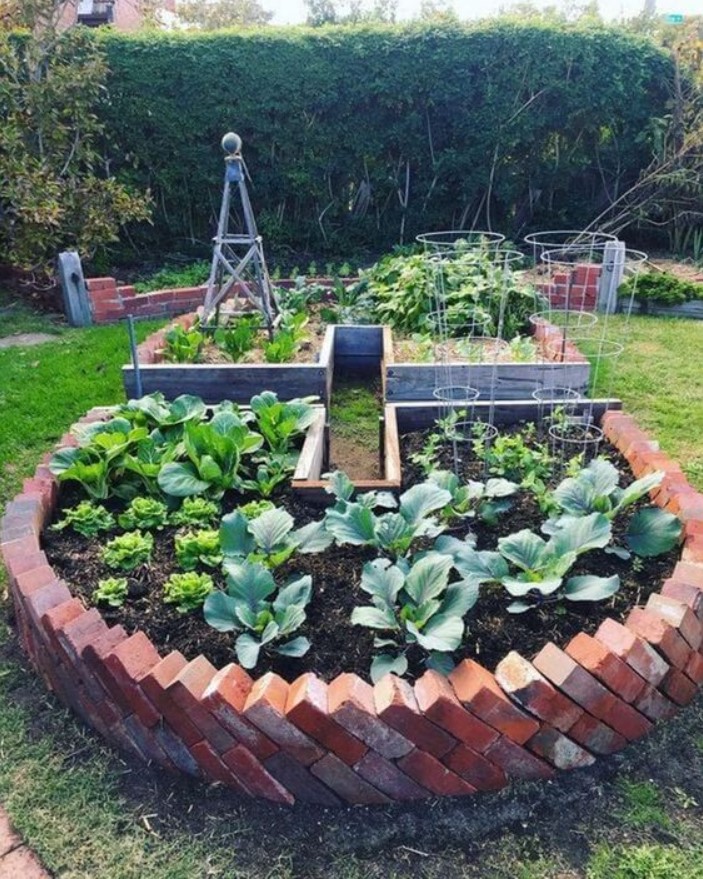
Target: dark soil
(337, 645)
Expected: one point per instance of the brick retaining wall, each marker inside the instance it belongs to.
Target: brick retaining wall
(348, 742)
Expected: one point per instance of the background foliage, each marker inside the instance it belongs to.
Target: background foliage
(358, 137)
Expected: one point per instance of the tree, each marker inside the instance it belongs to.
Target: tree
(216, 14)
(437, 10)
(56, 190)
(350, 11)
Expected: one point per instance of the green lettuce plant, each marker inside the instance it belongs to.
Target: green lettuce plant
(239, 338)
(144, 514)
(183, 345)
(279, 421)
(128, 551)
(198, 548)
(111, 591)
(195, 511)
(414, 604)
(86, 518)
(263, 614)
(188, 591)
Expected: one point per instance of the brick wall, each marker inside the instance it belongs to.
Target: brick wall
(109, 303)
(578, 288)
(348, 742)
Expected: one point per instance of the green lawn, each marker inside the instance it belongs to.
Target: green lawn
(92, 815)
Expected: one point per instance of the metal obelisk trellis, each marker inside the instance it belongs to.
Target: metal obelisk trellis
(238, 263)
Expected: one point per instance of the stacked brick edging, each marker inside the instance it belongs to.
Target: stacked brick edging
(577, 288)
(109, 302)
(350, 742)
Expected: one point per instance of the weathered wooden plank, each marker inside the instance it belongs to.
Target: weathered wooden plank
(358, 341)
(692, 310)
(504, 381)
(312, 455)
(391, 446)
(416, 415)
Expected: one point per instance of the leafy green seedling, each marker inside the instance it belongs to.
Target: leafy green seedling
(144, 514)
(86, 518)
(198, 548)
(111, 591)
(188, 591)
(128, 551)
(196, 511)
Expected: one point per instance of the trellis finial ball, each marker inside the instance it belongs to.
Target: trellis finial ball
(231, 143)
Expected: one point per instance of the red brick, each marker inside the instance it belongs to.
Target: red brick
(225, 696)
(307, 708)
(678, 687)
(397, 706)
(694, 668)
(186, 690)
(351, 704)
(688, 593)
(387, 778)
(265, 708)
(346, 783)
(517, 761)
(606, 666)
(213, 769)
(477, 689)
(559, 750)
(636, 652)
(252, 775)
(18, 547)
(654, 705)
(26, 564)
(298, 780)
(155, 685)
(693, 548)
(433, 775)
(437, 700)
(146, 742)
(475, 768)
(596, 736)
(78, 632)
(531, 689)
(689, 572)
(125, 665)
(177, 752)
(52, 595)
(58, 616)
(660, 634)
(678, 615)
(575, 681)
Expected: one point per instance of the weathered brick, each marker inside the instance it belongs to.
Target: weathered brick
(307, 706)
(351, 704)
(28, 582)
(387, 778)
(654, 705)
(186, 690)
(51, 595)
(596, 736)
(298, 780)
(473, 767)
(518, 762)
(265, 708)
(689, 572)
(660, 634)
(146, 742)
(530, 688)
(601, 662)
(678, 687)
(126, 665)
(226, 696)
(576, 682)
(213, 768)
(176, 750)
(636, 652)
(477, 689)
(559, 750)
(346, 783)
(694, 668)
(397, 706)
(433, 775)
(58, 616)
(255, 778)
(679, 615)
(155, 685)
(437, 700)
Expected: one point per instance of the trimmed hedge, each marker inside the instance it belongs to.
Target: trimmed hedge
(515, 125)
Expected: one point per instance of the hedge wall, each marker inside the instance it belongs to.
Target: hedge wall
(516, 125)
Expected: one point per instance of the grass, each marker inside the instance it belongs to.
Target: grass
(92, 815)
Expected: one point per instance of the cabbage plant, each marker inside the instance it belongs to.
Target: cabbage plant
(414, 604)
(263, 614)
(487, 500)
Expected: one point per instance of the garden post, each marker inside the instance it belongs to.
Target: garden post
(612, 271)
(75, 291)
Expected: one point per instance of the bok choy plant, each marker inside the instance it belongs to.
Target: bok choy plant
(270, 538)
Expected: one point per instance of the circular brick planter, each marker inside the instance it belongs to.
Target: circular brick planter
(350, 742)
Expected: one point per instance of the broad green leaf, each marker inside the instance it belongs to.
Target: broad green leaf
(428, 577)
(181, 480)
(297, 647)
(271, 632)
(445, 479)
(290, 619)
(339, 485)
(441, 662)
(652, 532)
(249, 583)
(63, 459)
(381, 579)
(394, 533)
(580, 533)
(443, 633)
(639, 489)
(185, 407)
(518, 586)
(374, 618)
(590, 588)
(221, 612)
(313, 537)
(603, 476)
(271, 529)
(235, 537)
(297, 591)
(524, 549)
(519, 606)
(459, 598)
(385, 664)
(575, 496)
(421, 500)
(499, 488)
(247, 649)
(355, 525)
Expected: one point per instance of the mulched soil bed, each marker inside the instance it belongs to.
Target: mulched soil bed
(337, 646)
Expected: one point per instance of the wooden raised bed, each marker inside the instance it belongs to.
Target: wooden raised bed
(229, 381)
(504, 381)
